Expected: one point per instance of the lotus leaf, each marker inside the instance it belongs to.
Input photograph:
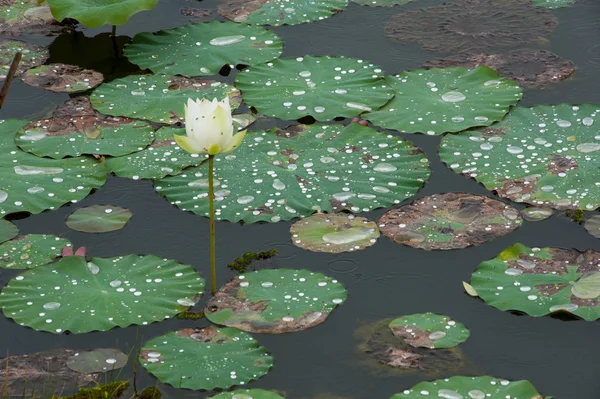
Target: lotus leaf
(472, 387)
(334, 233)
(540, 281)
(25, 17)
(534, 214)
(32, 55)
(32, 184)
(275, 301)
(592, 225)
(95, 13)
(247, 394)
(97, 360)
(158, 98)
(275, 12)
(98, 219)
(300, 170)
(429, 330)
(98, 295)
(205, 358)
(436, 101)
(321, 87)
(547, 156)
(552, 3)
(203, 49)
(62, 78)
(32, 250)
(7, 230)
(382, 3)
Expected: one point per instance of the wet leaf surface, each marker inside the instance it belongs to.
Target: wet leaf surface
(7, 230)
(449, 221)
(334, 233)
(382, 3)
(32, 55)
(98, 219)
(553, 3)
(247, 394)
(18, 17)
(205, 358)
(100, 294)
(32, 250)
(546, 156)
(534, 214)
(95, 13)
(62, 78)
(97, 360)
(275, 301)
(429, 330)
(592, 225)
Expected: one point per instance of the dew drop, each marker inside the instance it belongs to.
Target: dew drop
(476, 394)
(384, 167)
(185, 302)
(347, 236)
(359, 106)
(514, 150)
(51, 305)
(453, 97)
(245, 199)
(227, 40)
(587, 121)
(3, 196)
(25, 170)
(481, 119)
(93, 268)
(563, 123)
(277, 185)
(111, 360)
(437, 335)
(449, 394)
(588, 147)
(567, 307)
(343, 196)
(138, 92)
(458, 119)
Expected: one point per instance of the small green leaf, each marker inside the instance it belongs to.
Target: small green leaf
(469, 289)
(7, 229)
(97, 361)
(95, 13)
(32, 250)
(99, 219)
(587, 287)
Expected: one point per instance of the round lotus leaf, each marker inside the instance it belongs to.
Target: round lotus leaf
(321, 87)
(158, 98)
(450, 28)
(534, 214)
(547, 156)
(552, 3)
(32, 250)
(334, 233)
(19, 17)
(473, 388)
(95, 13)
(247, 394)
(32, 184)
(62, 78)
(302, 169)
(449, 221)
(275, 301)
(205, 358)
(436, 101)
(97, 360)
(7, 230)
(429, 330)
(203, 49)
(98, 219)
(541, 281)
(275, 12)
(381, 3)
(32, 55)
(98, 295)
(592, 225)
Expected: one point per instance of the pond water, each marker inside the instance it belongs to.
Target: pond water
(386, 280)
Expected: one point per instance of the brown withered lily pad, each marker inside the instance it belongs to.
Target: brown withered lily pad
(275, 301)
(530, 68)
(62, 78)
(592, 225)
(534, 214)
(28, 375)
(26, 17)
(449, 221)
(32, 55)
(429, 330)
(196, 14)
(472, 26)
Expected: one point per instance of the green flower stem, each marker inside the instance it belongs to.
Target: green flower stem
(211, 197)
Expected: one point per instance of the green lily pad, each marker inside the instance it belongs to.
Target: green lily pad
(158, 98)
(32, 250)
(32, 184)
(436, 101)
(449, 221)
(95, 13)
(300, 170)
(97, 360)
(247, 394)
(98, 219)
(203, 49)
(592, 225)
(19, 17)
(76, 129)
(334, 233)
(429, 330)
(275, 301)
(321, 87)
(101, 294)
(534, 214)
(205, 358)
(472, 387)
(547, 156)
(552, 3)
(62, 78)
(32, 55)
(7, 230)
(541, 281)
(276, 13)
(382, 3)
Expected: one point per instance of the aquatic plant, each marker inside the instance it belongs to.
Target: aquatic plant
(32, 250)
(98, 218)
(429, 330)
(242, 263)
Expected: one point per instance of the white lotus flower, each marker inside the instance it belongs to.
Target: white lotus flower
(209, 128)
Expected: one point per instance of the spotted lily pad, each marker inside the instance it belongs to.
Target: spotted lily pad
(32, 55)
(203, 49)
(541, 281)
(98, 295)
(429, 330)
(7, 230)
(62, 78)
(449, 221)
(472, 26)
(205, 358)
(436, 101)
(95, 13)
(275, 301)
(275, 13)
(75, 129)
(26, 17)
(472, 387)
(158, 98)
(99, 219)
(534, 214)
(592, 225)
(321, 87)
(247, 394)
(97, 360)
(32, 250)
(552, 3)
(334, 233)
(382, 3)
(300, 170)
(32, 184)
(547, 156)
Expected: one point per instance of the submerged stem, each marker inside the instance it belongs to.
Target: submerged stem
(211, 198)
(114, 31)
